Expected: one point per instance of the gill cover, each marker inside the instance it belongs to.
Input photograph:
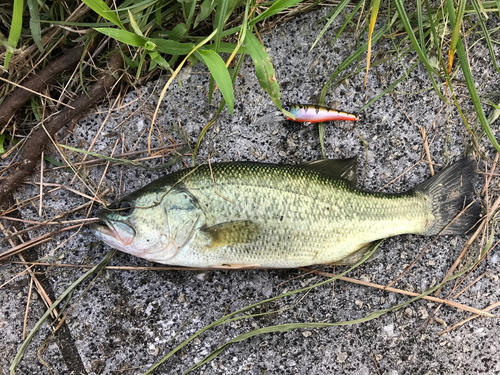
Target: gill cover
(182, 216)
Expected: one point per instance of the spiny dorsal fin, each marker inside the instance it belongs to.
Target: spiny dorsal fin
(344, 169)
(233, 232)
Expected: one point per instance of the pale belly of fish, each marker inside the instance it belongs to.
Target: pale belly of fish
(273, 216)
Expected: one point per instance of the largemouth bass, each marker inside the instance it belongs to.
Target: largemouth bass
(251, 215)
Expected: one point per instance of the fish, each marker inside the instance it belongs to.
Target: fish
(313, 113)
(257, 215)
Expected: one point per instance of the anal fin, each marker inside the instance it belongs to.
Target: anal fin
(358, 254)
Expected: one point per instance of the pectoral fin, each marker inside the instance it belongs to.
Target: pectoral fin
(358, 254)
(233, 232)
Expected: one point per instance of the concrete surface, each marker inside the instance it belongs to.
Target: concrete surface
(128, 319)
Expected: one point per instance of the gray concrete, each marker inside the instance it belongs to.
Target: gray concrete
(128, 320)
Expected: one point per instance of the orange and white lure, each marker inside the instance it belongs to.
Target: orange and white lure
(314, 113)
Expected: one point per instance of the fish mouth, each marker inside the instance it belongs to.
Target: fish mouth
(113, 231)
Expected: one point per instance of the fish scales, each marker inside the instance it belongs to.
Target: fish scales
(303, 216)
(241, 215)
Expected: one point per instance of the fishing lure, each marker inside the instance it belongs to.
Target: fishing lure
(315, 113)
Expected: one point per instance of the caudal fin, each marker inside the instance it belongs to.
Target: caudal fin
(451, 191)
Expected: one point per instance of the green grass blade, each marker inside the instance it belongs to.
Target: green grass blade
(277, 7)
(2, 138)
(420, 26)
(293, 326)
(172, 47)
(133, 23)
(123, 36)
(15, 29)
(333, 15)
(127, 162)
(228, 317)
(36, 30)
(423, 56)
(220, 73)
(263, 68)
(469, 80)
(188, 8)
(155, 56)
(434, 32)
(389, 88)
(406, 24)
(219, 23)
(138, 5)
(67, 292)
(104, 11)
(486, 34)
(178, 32)
(221, 107)
(348, 19)
(206, 9)
(225, 48)
(455, 35)
(352, 58)
(375, 5)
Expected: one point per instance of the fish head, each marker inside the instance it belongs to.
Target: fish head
(151, 225)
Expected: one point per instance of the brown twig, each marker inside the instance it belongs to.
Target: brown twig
(400, 291)
(490, 307)
(23, 93)
(482, 224)
(39, 139)
(35, 241)
(426, 149)
(429, 245)
(490, 174)
(27, 310)
(29, 270)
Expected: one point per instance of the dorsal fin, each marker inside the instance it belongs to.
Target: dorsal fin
(344, 169)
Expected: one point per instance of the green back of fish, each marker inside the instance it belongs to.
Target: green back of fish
(266, 215)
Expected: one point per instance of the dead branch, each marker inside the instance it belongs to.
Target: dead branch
(36, 143)
(22, 94)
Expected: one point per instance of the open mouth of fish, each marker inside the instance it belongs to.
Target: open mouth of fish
(114, 232)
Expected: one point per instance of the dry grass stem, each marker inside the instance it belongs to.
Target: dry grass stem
(36, 93)
(41, 186)
(37, 241)
(490, 174)
(429, 245)
(99, 200)
(426, 149)
(399, 176)
(27, 309)
(39, 287)
(215, 187)
(472, 283)
(412, 294)
(489, 308)
(481, 227)
(105, 121)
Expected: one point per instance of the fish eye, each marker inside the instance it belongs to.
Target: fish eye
(286, 108)
(125, 208)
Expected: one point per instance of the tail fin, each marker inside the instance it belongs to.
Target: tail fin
(451, 190)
